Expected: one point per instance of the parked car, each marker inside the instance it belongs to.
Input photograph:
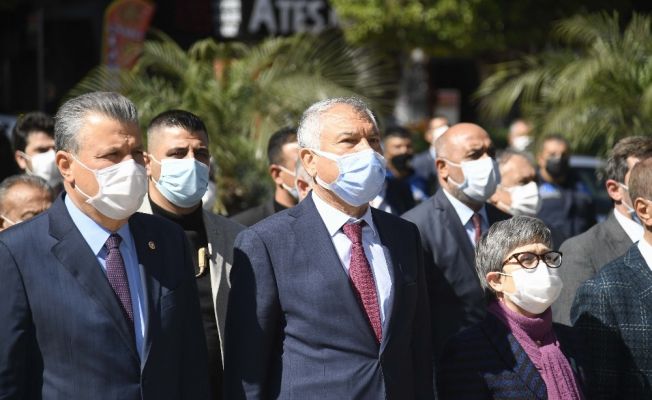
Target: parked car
(587, 169)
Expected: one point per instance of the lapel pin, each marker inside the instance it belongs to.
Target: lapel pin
(151, 245)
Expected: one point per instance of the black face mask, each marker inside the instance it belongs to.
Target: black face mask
(557, 167)
(403, 164)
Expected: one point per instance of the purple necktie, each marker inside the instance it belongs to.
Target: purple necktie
(115, 271)
(363, 279)
(477, 227)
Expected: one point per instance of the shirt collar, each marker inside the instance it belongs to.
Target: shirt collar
(94, 234)
(334, 219)
(463, 211)
(631, 228)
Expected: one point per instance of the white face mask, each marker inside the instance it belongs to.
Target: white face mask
(630, 209)
(294, 192)
(122, 188)
(361, 176)
(525, 199)
(44, 166)
(521, 143)
(480, 178)
(536, 289)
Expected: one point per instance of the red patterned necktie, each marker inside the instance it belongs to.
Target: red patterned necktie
(117, 275)
(477, 225)
(362, 278)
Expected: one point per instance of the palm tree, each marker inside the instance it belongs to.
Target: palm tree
(244, 93)
(595, 89)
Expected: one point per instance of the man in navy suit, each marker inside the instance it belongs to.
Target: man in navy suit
(451, 222)
(612, 311)
(99, 302)
(328, 299)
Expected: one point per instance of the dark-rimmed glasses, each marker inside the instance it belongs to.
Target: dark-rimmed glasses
(529, 260)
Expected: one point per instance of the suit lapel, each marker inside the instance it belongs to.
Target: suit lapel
(513, 355)
(75, 255)
(615, 236)
(392, 243)
(149, 260)
(312, 236)
(452, 223)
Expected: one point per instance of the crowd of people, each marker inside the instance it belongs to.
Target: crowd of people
(461, 272)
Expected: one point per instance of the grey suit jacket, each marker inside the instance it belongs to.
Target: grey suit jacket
(221, 233)
(583, 256)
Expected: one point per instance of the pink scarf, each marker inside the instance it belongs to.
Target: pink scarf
(538, 339)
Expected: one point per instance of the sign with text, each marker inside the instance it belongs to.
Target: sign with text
(125, 25)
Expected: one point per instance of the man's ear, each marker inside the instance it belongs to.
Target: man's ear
(442, 168)
(148, 163)
(643, 211)
(20, 160)
(309, 161)
(62, 159)
(613, 190)
(275, 173)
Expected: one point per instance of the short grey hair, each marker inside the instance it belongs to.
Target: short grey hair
(503, 156)
(502, 238)
(72, 114)
(310, 126)
(23, 179)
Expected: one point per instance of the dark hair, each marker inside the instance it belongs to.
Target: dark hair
(276, 142)
(397, 131)
(552, 137)
(28, 124)
(640, 180)
(633, 146)
(177, 119)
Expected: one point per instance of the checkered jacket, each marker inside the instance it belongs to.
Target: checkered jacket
(613, 313)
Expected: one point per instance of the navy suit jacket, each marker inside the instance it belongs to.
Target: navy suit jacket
(295, 329)
(487, 362)
(613, 313)
(62, 332)
(456, 299)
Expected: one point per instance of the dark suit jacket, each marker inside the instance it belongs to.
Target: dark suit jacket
(584, 256)
(424, 166)
(612, 311)
(456, 298)
(63, 334)
(255, 214)
(487, 362)
(295, 329)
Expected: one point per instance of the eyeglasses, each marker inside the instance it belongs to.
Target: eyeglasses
(530, 260)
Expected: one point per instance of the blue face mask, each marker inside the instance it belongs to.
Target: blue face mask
(361, 177)
(183, 181)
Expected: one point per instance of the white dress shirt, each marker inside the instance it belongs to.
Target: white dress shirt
(376, 253)
(631, 228)
(96, 236)
(646, 251)
(464, 213)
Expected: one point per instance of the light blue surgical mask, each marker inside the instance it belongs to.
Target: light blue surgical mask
(182, 181)
(361, 176)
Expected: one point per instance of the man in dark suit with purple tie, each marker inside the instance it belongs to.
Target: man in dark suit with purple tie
(99, 301)
(328, 298)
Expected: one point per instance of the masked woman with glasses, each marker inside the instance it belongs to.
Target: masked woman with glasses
(515, 352)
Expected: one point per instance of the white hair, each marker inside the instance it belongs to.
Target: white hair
(310, 126)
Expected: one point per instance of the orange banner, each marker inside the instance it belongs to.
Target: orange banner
(125, 25)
